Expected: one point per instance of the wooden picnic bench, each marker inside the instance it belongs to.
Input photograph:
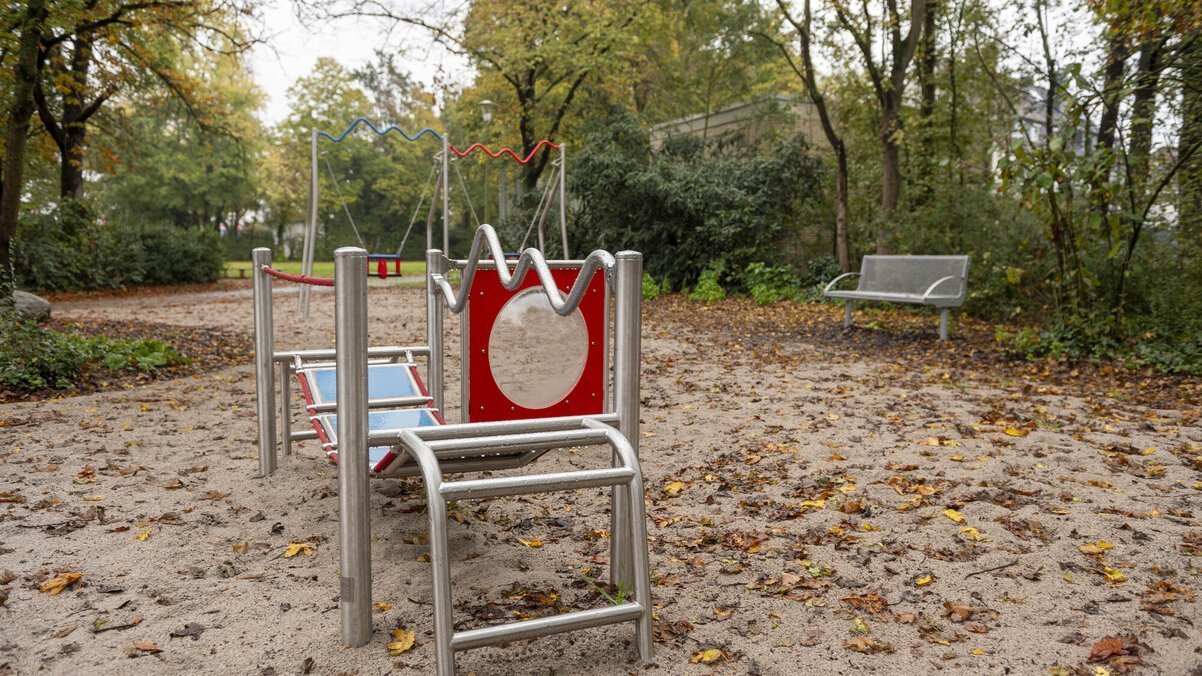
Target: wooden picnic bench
(939, 281)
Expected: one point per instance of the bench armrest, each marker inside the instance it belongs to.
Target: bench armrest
(836, 280)
(931, 288)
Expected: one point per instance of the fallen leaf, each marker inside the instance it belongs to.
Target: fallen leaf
(1114, 575)
(707, 656)
(401, 641)
(954, 515)
(1016, 432)
(382, 606)
(295, 548)
(924, 580)
(867, 646)
(55, 586)
(143, 536)
(673, 489)
(533, 542)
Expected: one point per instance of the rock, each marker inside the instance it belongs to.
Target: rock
(30, 307)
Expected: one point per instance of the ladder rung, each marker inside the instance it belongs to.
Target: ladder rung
(518, 442)
(537, 483)
(387, 402)
(517, 631)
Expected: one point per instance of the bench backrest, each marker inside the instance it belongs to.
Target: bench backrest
(913, 274)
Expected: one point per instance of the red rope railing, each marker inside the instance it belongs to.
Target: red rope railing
(504, 151)
(299, 279)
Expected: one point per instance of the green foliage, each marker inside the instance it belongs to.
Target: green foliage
(35, 358)
(684, 206)
(68, 249)
(708, 290)
(770, 284)
(651, 288)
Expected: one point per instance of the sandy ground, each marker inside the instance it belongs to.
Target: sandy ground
(798, 495)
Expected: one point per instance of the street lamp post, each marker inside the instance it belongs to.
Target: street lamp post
(486, 113)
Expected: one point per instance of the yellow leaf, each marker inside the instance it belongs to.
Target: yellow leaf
(673, 489)
(1147, 451)
(974, 534)
(954, 515)
(55, 586)
(1101, 671)
(143, 536)
(924, 580)
(382, 606)
(241, 547)
(860, 626)
(1102, 544)
(1016, 432)
(957, 458)
(401, 641)
(534, 542)
(706, 656)
(295, 548)
(978, 651)
(1068, 577)
(94, 498)
(812, 504)
(1113, 574)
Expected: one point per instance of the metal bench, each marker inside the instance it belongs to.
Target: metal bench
(940, 281)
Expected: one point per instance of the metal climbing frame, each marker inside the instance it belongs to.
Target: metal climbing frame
(467, 446)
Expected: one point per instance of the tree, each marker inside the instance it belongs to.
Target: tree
(536, 55)
(101, 46)
(888, 78)
(805, 70)
(29, 26)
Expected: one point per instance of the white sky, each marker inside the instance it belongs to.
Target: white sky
(291, 49)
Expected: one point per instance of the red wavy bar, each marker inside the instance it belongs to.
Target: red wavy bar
(503, 151)
(299, 279)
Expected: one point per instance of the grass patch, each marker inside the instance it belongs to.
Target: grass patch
(320, 268)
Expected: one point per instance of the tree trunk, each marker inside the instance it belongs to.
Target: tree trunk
(1189, 180)
(842, 243)
(890, 173)
(22, 108)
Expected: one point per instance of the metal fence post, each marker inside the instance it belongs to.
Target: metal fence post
(627, 328)
(286, 408)
(264, 354)
(435, 265)
(354, 514)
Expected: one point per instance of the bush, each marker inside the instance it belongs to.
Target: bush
(770, 284)
(708, 290)
(685, 205)
(35, 358)
(651, 289)
(68, 249)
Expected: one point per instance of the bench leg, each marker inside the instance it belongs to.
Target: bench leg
(943, 324)
(847, 315)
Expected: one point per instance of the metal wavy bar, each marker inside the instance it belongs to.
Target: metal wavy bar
(530, 258)
(503, 151)
(364, 120)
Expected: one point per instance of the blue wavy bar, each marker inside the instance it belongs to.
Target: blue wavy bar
(364, 120)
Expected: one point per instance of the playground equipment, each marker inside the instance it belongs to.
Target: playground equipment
(374, 416)
(443, 161)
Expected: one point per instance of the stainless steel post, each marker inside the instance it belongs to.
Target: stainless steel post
(354, 524)
(310, 225)
(286, 407)
(264, 354)
(943, 324)
(847, 315)
(563, 198)
(446, 197)
(627, 329)
(435, 264)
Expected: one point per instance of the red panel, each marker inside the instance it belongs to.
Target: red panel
(485, 398)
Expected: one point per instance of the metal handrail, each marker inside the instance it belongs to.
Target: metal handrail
(931, 288)
(530, 258)
(836, 280)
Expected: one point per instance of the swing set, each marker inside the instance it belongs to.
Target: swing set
(437, 186)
